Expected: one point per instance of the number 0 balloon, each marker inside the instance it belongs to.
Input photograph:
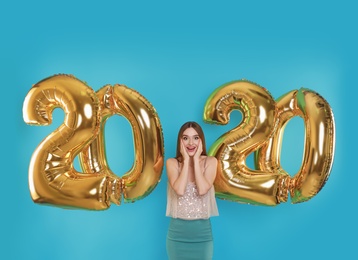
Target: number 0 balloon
(148, 141)
(319, 142)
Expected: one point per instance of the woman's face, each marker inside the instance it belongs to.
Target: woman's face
(191, 140)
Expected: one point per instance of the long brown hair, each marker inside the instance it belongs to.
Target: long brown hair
(200, 132)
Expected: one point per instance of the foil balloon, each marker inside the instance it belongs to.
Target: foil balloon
(145, 174)
(235, 181)
(319, 142)
(146, 171)
(52, 177)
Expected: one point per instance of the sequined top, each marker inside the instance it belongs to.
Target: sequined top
(191, 205)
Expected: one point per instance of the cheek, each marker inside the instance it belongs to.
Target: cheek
(185, 142)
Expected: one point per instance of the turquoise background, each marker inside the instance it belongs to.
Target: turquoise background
(176, 54)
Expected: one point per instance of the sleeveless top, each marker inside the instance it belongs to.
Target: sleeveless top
(191, 205)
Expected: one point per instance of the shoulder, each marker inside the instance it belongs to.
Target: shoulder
(172, 167)
(211, 160)
(211, 165)
(172, 162)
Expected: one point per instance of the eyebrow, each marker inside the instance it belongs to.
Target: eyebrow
(188, 135)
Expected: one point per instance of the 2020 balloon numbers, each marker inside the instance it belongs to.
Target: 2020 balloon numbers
(53, 179)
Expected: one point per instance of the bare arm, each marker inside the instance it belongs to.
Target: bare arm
(204, 179)
(178, 180)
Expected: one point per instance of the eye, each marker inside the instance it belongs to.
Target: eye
(197, 137)
(185, 138)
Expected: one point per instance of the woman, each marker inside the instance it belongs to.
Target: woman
(191, 196)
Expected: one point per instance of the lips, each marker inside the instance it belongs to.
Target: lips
(191, 148)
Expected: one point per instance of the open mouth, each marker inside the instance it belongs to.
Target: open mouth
(191, 149)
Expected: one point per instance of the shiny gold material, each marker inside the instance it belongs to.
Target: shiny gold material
(52, 177)
(93, 157)
(235, 181)
(145, 174)
(148, 142)
(261, 131)
(319, 142)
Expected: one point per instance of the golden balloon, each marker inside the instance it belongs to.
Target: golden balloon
(145, 174)
(52, 177)
(261, 132)
(319, 142)
(235, 181)
(54, 181)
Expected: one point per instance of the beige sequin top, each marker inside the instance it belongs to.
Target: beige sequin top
(191, 205)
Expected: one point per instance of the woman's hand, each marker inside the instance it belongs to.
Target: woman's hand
(183, 151)
(199, 150)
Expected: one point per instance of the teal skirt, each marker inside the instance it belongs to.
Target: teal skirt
(189, 239)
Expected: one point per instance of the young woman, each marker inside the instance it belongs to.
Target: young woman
(190, 196)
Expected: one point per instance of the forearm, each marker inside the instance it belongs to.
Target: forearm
(179, 185)
(202, 183)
